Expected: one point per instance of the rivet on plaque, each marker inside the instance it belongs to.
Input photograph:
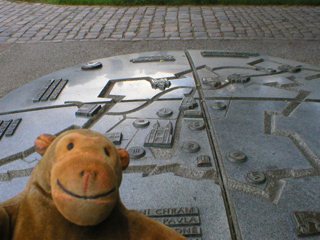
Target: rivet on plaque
(140, 123)
(236, 157)
(256, 177)
(218, 105)
(190, 147)
(164, 112)
(91, 65)
(136, 152)
(196, 125)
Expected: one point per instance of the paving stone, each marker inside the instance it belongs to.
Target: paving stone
(171, 34)
(186, 35)
(156, 35)
(200, 34)
(275, 22)
(156, 30)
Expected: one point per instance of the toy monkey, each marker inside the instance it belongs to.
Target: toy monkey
(73, 193)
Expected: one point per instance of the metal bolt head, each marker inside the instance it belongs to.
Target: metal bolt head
(218, 105)
(196, 126)
(136, 152)
(91, 65)
(140, 123)
(236, 157)
(256, 177)
(190, 147)
(164, 112)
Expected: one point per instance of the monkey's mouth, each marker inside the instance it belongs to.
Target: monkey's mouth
(84, 197)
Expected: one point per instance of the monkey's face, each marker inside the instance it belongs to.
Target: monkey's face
(86, 177)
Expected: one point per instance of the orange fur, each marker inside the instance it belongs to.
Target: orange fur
(73, 193)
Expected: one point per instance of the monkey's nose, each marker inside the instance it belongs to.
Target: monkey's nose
(88, 173)
(88, 177)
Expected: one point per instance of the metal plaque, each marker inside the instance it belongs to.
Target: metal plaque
(231, 135)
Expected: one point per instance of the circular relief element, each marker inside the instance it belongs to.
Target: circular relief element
(236, 157)
(190, 147)
(256, 177)
(164, 112)
(91, 65)
(136, 152)
(140, 123)
(196, 126)
(218, 105)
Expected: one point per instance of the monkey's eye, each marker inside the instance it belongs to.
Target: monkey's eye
(107, 152)
(70, 146)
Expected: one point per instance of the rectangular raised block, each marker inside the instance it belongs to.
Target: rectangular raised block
(179, 221)
(13, 126)
(185, 220)
(153, 59)
(4, 126)
(228, 54)
(161, 212)
(116, 137)
(58, 89)
(256, 62)
(312, 77)
(306, 223)
(88, 110)
(203, 161)
(189, 231)
(188, 103)
(50, 90)
(43, 90)
(192, 114)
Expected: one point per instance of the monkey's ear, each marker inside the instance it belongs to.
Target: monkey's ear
(42, 143)
(124, 157)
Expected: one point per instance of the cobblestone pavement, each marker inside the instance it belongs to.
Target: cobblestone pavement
(22, 22)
